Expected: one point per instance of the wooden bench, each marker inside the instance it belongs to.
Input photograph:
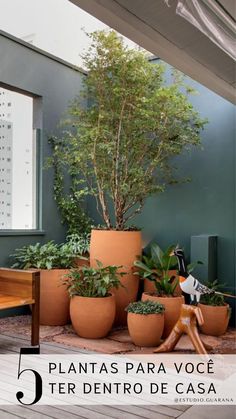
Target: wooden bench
(20, 288)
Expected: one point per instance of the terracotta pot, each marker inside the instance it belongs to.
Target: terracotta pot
(172, 310)
(149, 286)
(118, 248)
(145, 330)
(54, 298)
(92, 317)
(216, 319)
(82, 262)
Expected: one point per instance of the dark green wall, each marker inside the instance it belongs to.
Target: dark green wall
(28, 69)
(206, 205)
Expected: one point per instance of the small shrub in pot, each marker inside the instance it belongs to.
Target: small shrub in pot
(216, 312)
(145, 322)
(92, 305)
(53, 261)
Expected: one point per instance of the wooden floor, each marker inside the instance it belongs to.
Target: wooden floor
(12, 344)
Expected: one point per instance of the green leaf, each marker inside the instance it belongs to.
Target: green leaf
(142, 266)
(157, 254)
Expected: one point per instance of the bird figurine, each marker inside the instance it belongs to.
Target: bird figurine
(187, 282)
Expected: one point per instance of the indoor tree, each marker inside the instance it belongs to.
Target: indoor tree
(120, 146)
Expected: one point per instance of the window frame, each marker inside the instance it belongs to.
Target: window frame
(37, 136)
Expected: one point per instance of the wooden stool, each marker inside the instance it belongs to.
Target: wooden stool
(20, 288)
(187, 323)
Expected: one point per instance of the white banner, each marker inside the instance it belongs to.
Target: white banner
(117, 380)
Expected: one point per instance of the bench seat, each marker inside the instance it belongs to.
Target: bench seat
(9, 301)
(20, 288)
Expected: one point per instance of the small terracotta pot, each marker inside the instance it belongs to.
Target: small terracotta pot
(172, 310)
(118, 248)
(92, 318)
(149, 286)
(145, 330)
(54, 298)
(216, 319)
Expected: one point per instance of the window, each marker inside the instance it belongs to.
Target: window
(17, 162)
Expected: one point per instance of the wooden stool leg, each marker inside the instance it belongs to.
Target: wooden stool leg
(171, 341)
(206, 345)
(187, 323)
(196, 341)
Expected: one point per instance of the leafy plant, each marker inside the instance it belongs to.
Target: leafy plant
(70, 200)
(93, 282)
(78, 244)
(155, 266)
(118, 149)
(213, 299)
(145, 307)
(46, 256)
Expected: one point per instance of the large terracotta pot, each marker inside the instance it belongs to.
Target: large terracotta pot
(54, 298)
(92, 317)
(145, 330)
(216, 319)
(172, 310)
(149, 286)
(118, 248)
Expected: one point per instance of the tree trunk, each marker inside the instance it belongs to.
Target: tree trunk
(120, 223)
(119, 215)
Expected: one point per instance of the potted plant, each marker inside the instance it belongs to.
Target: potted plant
(156, 268)
(92, 303)
(121, 145)
(216, 312)
(54, 262)
(155, 264)
(145, 322)
(78, 246)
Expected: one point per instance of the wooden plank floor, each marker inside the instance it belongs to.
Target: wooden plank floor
(12, 344)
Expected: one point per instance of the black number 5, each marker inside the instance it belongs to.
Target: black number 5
(38, 378)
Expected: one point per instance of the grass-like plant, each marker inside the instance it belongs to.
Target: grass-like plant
(145, 307)
(93, 282)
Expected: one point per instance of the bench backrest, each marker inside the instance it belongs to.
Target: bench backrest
(19, 283)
